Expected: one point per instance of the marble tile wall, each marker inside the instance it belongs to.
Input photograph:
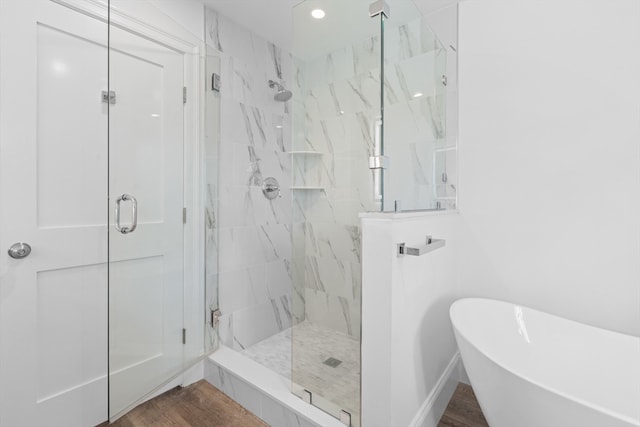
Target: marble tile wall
(337, 100)
(254, 234)
(331, 118)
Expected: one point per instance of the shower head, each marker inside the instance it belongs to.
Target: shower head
(282, 94)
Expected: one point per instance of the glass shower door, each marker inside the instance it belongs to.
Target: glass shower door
(337, 112)
(145, 99)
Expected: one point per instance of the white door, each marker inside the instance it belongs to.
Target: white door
(145, 265)
(53, 188)
(57, 195)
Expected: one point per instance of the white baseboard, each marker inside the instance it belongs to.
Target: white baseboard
(436, 402)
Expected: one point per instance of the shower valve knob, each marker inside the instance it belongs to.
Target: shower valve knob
(271, 188)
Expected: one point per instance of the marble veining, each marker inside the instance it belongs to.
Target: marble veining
(344, 304)
(247, 124)
(366, 55)
(255, 177)
(419, 176)
(275, 54)
(365, 124)
(258, 118)
(435, 114)
(213, 29)
(334, 97)
(356, 87)
(406, 48)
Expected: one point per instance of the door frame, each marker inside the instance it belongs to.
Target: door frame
(134, 17)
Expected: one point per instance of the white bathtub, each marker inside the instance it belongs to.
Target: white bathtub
(533, 369)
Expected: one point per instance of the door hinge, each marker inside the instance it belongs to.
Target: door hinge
(109, 97)
(184, 336)
(215, 82)
(184, 215)
(215, 318)
(184, 94)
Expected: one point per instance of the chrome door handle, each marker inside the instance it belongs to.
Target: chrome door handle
(19, 250)
(134, 214)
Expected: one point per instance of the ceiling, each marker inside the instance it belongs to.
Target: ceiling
(273, 19)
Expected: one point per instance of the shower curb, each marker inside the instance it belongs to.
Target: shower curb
(261, 391)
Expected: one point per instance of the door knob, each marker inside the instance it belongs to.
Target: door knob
(19, 250)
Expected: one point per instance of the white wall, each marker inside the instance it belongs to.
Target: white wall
(407, 340)
(187, 13)
(550, 157)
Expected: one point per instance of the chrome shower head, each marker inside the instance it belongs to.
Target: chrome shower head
(282, 94)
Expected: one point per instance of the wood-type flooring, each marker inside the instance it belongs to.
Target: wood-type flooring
(463, 410)
(198, 405)
(202, 405)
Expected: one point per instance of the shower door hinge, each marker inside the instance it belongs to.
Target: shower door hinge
(109, 97)
(215, 82)
(215, 318)
(184, 336)
(184, 215)
(184, 94)
(379, 162)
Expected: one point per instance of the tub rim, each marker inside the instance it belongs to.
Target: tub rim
(620, 416)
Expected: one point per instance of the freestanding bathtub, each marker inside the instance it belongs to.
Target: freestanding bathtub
(533, 369)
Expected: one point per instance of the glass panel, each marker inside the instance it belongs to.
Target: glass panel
(146, 200)
(336, 110)
(212, 156)
(415, 131)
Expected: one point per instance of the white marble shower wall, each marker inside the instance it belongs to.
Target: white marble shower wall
(337, 101)
(255, 140)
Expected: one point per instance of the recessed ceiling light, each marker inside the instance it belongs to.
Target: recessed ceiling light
(317, 13)
(417, 94)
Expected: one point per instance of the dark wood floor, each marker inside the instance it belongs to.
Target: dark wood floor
(463, 410)
(198, 405)
(202, 405)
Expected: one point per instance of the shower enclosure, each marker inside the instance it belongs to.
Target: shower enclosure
(364, 131)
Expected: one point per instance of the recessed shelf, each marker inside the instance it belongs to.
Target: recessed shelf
(306, 153)
(304, 187)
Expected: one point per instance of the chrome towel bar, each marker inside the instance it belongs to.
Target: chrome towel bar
(431, 245)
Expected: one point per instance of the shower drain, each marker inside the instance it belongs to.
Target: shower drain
(333, 362)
